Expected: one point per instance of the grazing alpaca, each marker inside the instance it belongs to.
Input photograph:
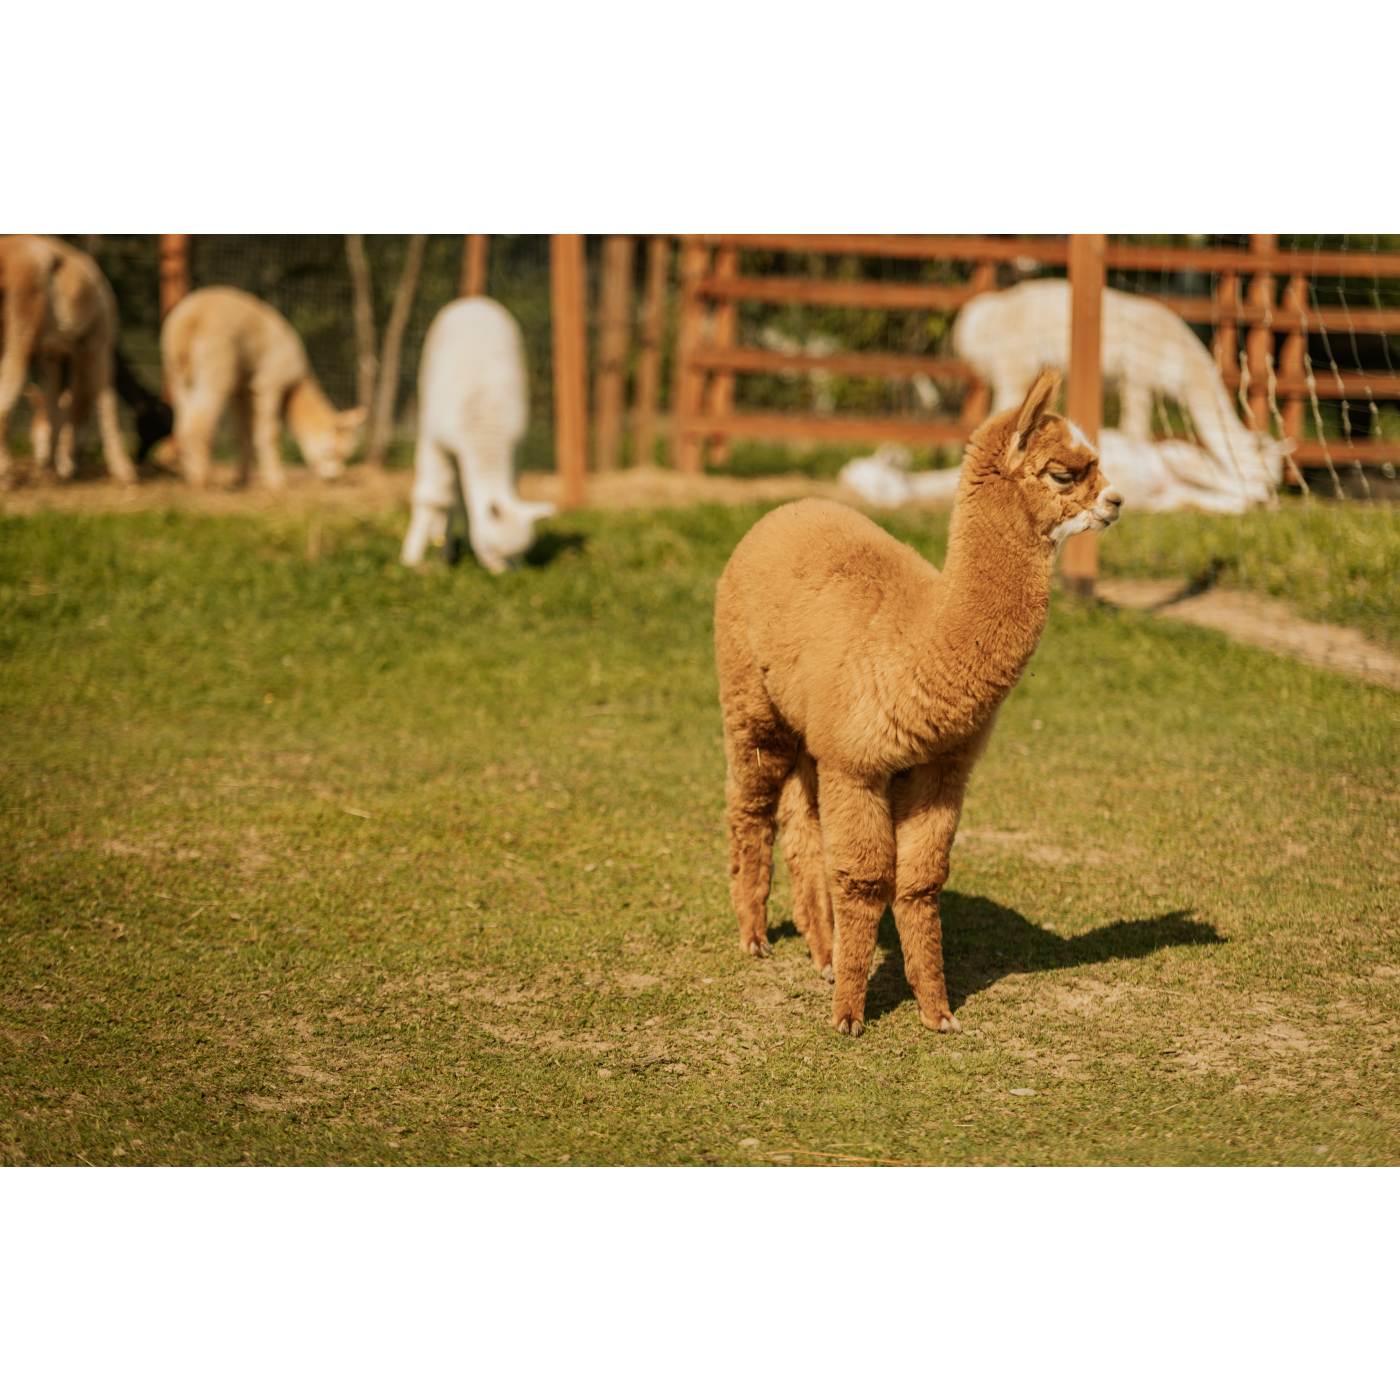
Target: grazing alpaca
(1010, 336)
(60, 316)
(220, 344)
(471, 413)
(859, 686)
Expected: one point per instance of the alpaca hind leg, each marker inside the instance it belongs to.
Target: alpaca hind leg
(926, 803)
(40, 426)
(760, 750)
(800, 824)
(55, 380)
(760, 757)
(46, 396)
(858, 835)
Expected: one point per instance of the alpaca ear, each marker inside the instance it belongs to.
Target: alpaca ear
(1038, 405)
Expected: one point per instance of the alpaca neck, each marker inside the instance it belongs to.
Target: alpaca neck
(309, 411)
(991, 605)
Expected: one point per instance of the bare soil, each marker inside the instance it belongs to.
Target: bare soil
(1261, 622)
(365, 490)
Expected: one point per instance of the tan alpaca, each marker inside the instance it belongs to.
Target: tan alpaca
(859, 686)
(60, 321)
(220, 344)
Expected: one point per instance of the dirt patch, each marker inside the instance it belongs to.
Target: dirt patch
(1262, 622)
(368, 491)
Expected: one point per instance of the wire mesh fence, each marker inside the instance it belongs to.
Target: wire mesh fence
(307, 278)
(1308, 354)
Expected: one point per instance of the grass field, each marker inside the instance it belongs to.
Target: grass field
(1331, 562)
(329, 862)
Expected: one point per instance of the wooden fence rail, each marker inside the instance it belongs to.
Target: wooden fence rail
(1264, 293)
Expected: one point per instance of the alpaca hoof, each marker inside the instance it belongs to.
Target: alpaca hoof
(760, 948)
(828, 973)
(848, 1027)
(944, 1021)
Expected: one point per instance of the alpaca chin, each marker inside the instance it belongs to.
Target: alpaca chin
(1075, 525)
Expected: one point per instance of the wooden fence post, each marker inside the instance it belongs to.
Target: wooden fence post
(721, 388)
(1259, 340)
(1226, 348)
(688, 390)
(614, 336)
(474, 252)
(1291, 366)
(1079, 563)
(566, 300)
(174, 270)
(978, 399)
(649, 359)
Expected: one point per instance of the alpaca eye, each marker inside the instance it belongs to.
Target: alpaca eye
(1064, 478)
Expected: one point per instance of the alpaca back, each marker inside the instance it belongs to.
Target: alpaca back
(222, 334)
(60, 291)
(831, 609)
(472, 385)
(1147, 349)
(472, 408)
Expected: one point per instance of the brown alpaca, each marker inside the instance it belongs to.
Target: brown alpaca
(60, 320)
(859, 687)
(220, 344)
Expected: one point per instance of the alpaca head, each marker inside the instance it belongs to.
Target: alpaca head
(502, 527)
(1055, 467)
(327, 447)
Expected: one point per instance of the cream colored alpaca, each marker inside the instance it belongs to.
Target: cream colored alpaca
(220, 344)
(60, 319)
(472, 409)
(859, 686)
(1010, 336)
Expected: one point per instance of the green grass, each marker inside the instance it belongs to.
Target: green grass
(310, 862)
(1333, 562)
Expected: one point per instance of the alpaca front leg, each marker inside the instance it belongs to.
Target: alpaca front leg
(196, 417)
(267, 424)
(926, 803)
(858, 833)
(800, 824)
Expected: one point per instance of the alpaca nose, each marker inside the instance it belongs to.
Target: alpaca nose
(1112, 497)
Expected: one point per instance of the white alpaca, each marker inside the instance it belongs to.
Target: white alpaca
(472, 408)
(1010, 336)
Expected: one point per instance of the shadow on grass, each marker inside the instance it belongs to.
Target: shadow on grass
(984, 941)
(551, 544)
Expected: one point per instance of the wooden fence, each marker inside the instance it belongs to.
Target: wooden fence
(1271, 373)
(1263, 295)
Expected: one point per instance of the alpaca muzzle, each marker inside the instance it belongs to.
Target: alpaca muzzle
(1107, 508)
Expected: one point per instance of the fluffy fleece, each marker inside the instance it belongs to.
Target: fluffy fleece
(472, 409)
(60, 320)
(220, 345)
(859, 686)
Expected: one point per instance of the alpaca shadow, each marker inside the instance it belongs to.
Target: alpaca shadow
(549, 545)
(984, 941)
